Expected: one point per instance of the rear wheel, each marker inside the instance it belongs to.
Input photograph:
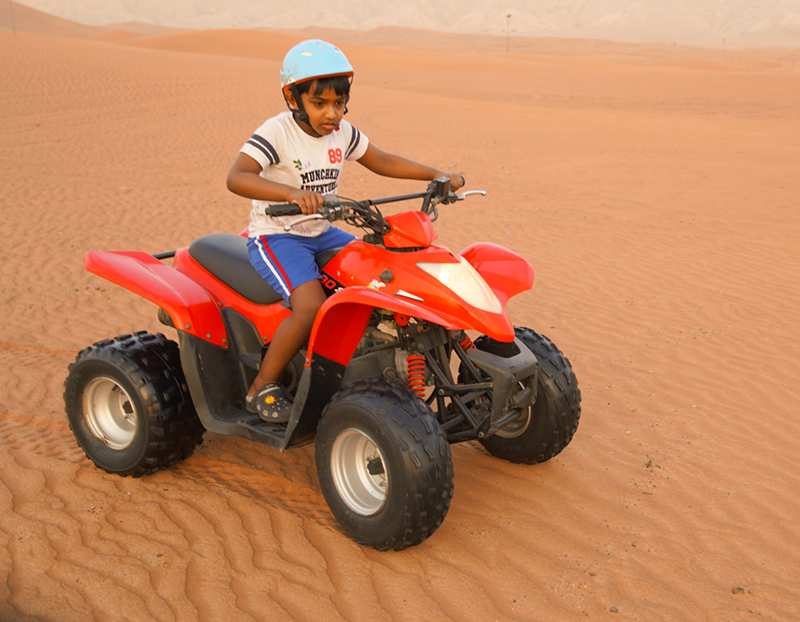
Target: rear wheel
(544, 429)
(128, 405)
(384, 465)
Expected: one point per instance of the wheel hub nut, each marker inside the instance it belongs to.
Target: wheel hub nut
(375, 466)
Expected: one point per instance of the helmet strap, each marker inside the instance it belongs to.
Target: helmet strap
(300, 115)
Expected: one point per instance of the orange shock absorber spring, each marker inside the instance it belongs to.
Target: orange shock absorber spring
(416, 373)
(466, 342)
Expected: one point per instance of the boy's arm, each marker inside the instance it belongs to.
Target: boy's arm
(245, 179)
(390, 165)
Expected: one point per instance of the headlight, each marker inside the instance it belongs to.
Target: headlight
(465, 282)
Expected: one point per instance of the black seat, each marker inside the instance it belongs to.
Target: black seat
(225, 256)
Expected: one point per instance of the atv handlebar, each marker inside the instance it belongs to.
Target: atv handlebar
(283, 209)
(291, 209)
(365, 213)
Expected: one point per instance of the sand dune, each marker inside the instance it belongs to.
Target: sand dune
(16, 17)
(697, 22)
(23, 18)
(142, 28)
(653, 188)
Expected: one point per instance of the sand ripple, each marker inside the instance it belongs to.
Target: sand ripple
(654, 189)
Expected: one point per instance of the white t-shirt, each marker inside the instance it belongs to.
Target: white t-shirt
(288, 155)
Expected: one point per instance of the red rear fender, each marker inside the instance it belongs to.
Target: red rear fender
(507, 273)
(190, 306)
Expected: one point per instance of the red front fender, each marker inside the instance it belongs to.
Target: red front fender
(341, 321)
(506, 273)
(343, 317)
(190, 307)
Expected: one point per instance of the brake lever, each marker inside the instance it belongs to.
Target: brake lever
(457, 196)
(300, 221)
(460, 196)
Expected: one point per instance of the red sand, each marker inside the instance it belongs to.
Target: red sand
(654, 190)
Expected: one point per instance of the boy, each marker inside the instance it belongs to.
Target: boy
(297, 157)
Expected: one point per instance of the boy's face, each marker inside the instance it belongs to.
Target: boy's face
(325, 109)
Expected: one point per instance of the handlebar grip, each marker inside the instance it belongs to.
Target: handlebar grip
(283, 209)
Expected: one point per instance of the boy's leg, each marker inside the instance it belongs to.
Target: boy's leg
(288, 264)
(291, 335)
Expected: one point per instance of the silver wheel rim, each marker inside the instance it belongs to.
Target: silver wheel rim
(518, 426)
(109, 412)
(353, 456)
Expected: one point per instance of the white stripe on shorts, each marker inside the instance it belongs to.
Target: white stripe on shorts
(271, 268)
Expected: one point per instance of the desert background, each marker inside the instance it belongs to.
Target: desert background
(653, 186)
(707, 22)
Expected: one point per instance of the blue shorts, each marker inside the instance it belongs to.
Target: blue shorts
(286, 261)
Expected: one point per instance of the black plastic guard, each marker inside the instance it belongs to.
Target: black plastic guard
(215, 385)
(505, 372)
(317, 385)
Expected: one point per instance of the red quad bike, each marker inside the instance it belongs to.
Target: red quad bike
(388, 380)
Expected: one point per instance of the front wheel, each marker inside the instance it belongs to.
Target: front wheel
(384, 465)
(548, 426)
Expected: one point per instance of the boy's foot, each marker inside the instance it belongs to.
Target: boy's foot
(270, 403)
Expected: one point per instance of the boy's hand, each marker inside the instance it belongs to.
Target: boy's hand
(456, 180)
(308, 202)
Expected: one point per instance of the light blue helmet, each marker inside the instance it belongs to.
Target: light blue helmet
(313, 58)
